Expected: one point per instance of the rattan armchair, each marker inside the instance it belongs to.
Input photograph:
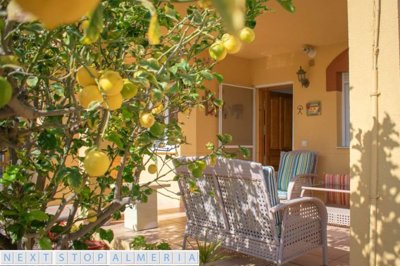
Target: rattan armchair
(296, 169)
(236, 203)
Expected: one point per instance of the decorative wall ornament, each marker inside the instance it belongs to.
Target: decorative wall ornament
(300, 109)
(313, 108)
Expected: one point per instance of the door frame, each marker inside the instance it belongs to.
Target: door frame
(260, 129)
(253, 146)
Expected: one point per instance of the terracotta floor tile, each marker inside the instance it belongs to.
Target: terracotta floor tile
(309, 260)
(172, 226)
(339, 263)
(335, 253)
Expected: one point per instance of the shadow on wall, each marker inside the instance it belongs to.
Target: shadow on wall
(388, 192)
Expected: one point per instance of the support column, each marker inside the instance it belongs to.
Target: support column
(375, 120)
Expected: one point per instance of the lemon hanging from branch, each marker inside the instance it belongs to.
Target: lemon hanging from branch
(96, 163)
(57, 12)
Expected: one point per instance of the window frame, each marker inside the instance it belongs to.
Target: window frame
(345, 112)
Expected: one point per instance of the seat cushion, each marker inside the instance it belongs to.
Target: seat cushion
(272, 191)
(282, 195)
(341, 180)
(294, 163)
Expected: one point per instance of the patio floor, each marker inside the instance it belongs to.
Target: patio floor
(172, 226)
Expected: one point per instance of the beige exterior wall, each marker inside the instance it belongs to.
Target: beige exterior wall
(375, 150)
(320, 132)
(167, 198)
(201, 129)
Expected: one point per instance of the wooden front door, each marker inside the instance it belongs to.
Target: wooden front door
(276, 117)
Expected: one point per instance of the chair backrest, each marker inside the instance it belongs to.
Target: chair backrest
(295, 163)
(239, 202)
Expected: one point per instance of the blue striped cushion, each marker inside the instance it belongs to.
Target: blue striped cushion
(294, 163)
(282, 195)
(272, 192)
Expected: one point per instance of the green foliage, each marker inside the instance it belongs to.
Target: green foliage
(140, 243)
(45, 243)
(47, 135)
(106, 234)
(287, 4)
(209, 251)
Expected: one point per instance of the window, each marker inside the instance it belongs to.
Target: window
(237, 118)
(345, 138)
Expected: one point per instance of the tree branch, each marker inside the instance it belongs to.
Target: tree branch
(29, 112)
(101, 219)
(6, 244)
(58, 212)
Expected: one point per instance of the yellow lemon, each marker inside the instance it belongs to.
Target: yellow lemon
(217, 51)
(92, 216)
(158, 109)
(152, 169)
(113, 102)
(56, 12)
(88, 95)
(5, 92)
(129, 90)
(247, 35)
(231, 43)
(86, 76)
(147, 120)
(111, 82)
(96, 163)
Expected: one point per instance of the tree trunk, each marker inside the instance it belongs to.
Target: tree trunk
(6, 244)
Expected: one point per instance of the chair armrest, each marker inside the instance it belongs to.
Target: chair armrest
(303, 227)
(298, 201)
(295, 184)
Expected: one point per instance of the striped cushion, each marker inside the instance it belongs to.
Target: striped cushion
(294, 163)
(272, 192)
(282, 195)
(337, 179)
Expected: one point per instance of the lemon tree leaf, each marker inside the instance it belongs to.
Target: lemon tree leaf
(9, 60)
(45, 243)
(153, 33)
(288, 5)
(207, 75)
(107, 235)
(95, 27)
(37, 215)
(115, 138)
(219, 77)
(74, 178)
(232, 12)
(154, 30)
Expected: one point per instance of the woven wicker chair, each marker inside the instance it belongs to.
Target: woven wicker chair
(236, 203)
(296, 169)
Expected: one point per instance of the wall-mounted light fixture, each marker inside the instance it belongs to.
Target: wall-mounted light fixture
(301, 75)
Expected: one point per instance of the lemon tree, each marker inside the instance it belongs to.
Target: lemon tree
(85, 91)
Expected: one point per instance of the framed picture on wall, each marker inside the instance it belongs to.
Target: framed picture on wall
(313, 108)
